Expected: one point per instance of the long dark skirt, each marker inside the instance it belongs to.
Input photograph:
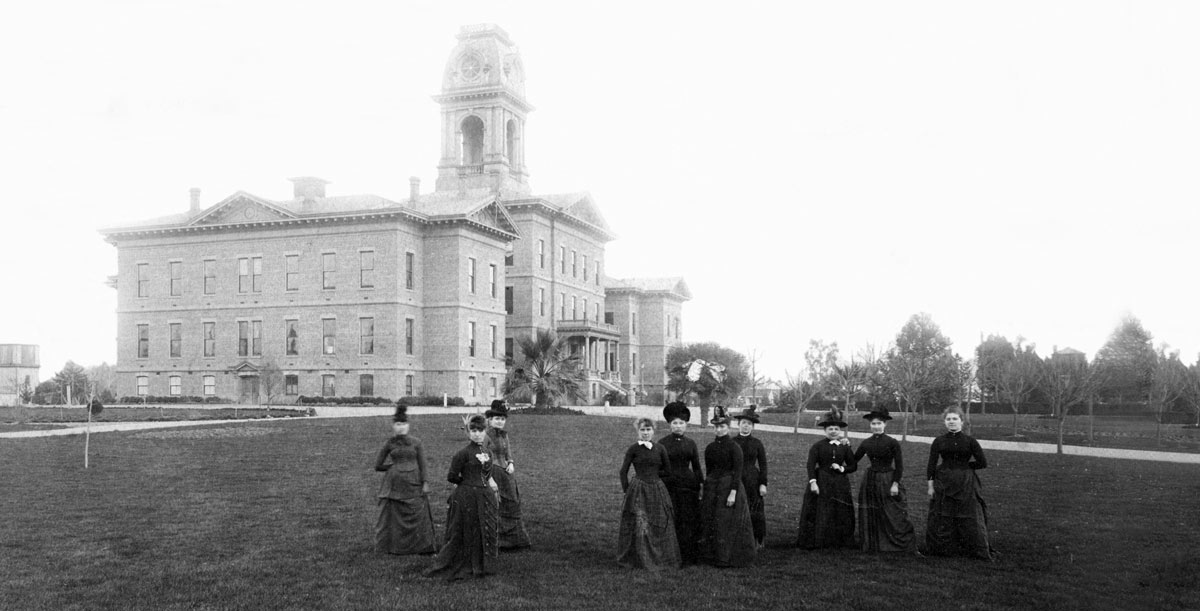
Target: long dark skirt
(957, 524)
(471, 542)
(405, 526)
(727, 538)
(647, 539)
(758, 514)
(512, 529)
(883, 524)
(827, 519)
(686, 503)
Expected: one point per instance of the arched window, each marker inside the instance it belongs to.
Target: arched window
(510, 141)
(472, 141)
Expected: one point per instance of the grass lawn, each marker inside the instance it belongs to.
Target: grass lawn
(280, 515)
(1107, 432)
(27, 414)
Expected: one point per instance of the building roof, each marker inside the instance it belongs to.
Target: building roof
(578, 208)
(674, 286)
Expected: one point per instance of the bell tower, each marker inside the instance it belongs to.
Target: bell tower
(483, 115)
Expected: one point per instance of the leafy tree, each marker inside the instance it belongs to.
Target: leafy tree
(1018, 379)
(921, 367)
(1169, 384)
(547, 373)
(990, 356)
(1067, 380)
(1126, 362)
(709, 387)
(74, 378)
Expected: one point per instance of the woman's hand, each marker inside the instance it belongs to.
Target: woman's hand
(838, 467)
(492, 485)
(732, 498)
(930, 487)
(511, 468)
(762, 490)
(812, 485)
(895, 489)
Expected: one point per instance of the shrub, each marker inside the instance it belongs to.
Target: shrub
(430, 400)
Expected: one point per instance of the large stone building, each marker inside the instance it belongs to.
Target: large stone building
(19, 366)
(255, 298)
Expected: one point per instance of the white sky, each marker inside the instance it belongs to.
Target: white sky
(813, 170)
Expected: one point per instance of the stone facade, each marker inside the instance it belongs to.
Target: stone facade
(649, 314)
(19, 367)
(257, 299)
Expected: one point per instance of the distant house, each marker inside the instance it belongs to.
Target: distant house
(1068, 354)
(19, 365)
(766, 393)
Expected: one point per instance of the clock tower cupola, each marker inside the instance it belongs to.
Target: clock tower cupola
(483, 115)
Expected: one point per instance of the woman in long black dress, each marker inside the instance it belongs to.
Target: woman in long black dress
(728, 537)
(405, 524)
(957, 522)
(471, 541)
(646, 539)
(883, 524)
(685, 479)
(754, 470)
(512, 529)
(827, 516)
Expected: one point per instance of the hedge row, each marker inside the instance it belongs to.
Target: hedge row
(305, 400)
(432, 400)
(137, 400)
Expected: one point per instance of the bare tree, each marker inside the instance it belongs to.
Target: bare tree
(845, 381)
(967, 378)
(270, 377)
(807, 385)
(1066, 381)
(1018, 377)
(874, 382)
(755, 378)
(1169, 383)
(1193, 389)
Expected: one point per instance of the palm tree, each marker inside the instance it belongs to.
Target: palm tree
(547, 373)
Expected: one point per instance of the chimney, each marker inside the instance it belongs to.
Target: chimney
(308, 189)
(195, 202)
(414, 189)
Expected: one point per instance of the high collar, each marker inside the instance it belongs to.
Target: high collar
(677, 435)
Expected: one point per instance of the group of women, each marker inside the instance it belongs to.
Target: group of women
(484, 511)
(675, 512)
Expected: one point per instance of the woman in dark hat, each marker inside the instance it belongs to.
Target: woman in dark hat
(728, 537)
(957, 523)
(471, 541)
(754, 470)
(512, 529)
(646, 539)
(883, 524)
(685, 479)
(405, 524)
(827, 516)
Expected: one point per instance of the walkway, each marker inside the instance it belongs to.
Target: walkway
(640, 411)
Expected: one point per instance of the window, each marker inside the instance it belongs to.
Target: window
(210, 277)
(633, 324)
(366, 385)
(143, 279)
(541, 302)
(291, 271)
(328, 333)
(574, 310)
(176, 269)
(176, 385)
(210, 386)
(492, 330)
(574, 264)
(584, 309)
(291, 341)
(328, 267)
(608, 318)
(250, 274)
(409, 264)
(143, 341)
(676, 327)
(562, 306)
(327, 389)
(471, 275)
(508, 255)
(471, 385)
(176, 330)
(492, 279)
(143, 385)
(291, 384)
(408, 385)
(471, 339)
(210, 339)
(366, 269)
(508, 300)
(508, 350)
(596, 277)
(408, 336)
(243, 338)
(542, 254)
(634, 356)
(596, 307)
(585, 274)
(366, 337)
(492, 392)
(256, 338)
(562, 258)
